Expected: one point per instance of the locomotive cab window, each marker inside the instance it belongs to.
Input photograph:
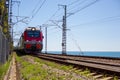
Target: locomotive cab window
(33, 33)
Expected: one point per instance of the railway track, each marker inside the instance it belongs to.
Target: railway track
(106, 65)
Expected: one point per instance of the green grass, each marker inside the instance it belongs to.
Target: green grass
(31, 71)
(4, 68)
(54, 65)
(64, 67)
(115, 78)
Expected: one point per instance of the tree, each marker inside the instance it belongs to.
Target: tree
(4, 18)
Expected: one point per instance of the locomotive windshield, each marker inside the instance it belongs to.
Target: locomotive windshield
(33, 33)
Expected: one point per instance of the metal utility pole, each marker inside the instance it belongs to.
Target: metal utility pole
(7, 6)
(10, 18)
(46, 40)
(46, 27)
(64, 31)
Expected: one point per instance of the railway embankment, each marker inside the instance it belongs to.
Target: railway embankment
(32, 67)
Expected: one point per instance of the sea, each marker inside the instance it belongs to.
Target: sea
(90, 53)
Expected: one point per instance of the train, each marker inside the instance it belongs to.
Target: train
(31, 40)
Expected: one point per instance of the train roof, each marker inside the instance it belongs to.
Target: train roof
(32, 28)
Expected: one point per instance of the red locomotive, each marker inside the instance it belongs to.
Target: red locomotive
(31, 40)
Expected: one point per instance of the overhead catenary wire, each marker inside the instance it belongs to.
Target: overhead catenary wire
(18, 9)
(61, 13)
(54, 31)
(72, 13)
(38, 9)
(38, 3)
(89, 4)
(52, 16)
(77, 4)
(35, 12)
(73, 2)
(103, 20)
(82, 8)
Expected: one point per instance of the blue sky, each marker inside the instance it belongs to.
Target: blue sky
(95, 28)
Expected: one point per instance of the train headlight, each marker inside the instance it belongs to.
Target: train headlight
(39, 41)
(33, 29)
(27, 40)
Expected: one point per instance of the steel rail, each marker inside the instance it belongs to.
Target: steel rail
(82, 59)
(111, 67)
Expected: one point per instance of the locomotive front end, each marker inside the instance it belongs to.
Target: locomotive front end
(33, 42)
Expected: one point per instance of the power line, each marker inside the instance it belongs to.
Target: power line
(83, 8)
(69, 5)
(59, 9)
(56, 24)
(111, 18)
(72, 13)
(52, 15)
(34, 14)
(73, 2)
(77, 4)
(36, 6)
(38, 9)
